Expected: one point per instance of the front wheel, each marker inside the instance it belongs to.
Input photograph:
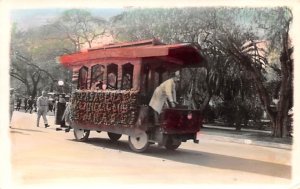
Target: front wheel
(113, 136)
(138, 142)
(81, 134)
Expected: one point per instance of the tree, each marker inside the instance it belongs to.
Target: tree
(78, 27)
(33, 60)
(242, 46)
(34, 52)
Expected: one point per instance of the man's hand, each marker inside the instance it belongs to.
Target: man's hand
(173, 104)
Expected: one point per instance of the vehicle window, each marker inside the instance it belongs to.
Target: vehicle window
(112, 76)
(97, 75)
(145, 79)
(83, 76)
(146, 92)
(127, 70)
(159, 74)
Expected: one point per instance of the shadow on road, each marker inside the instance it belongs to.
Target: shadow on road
(199, 158)
(19, 132)
(30, 130)
(219, 161)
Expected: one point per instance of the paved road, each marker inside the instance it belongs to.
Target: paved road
(47, 157)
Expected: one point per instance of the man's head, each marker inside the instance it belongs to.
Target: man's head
(44, 93)
(176, 76)
(11, 90)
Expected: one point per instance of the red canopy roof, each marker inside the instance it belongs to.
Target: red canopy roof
(184, 53)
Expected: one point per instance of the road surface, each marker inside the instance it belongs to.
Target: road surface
(47, 157)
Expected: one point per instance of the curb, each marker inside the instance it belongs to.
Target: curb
(245, 141)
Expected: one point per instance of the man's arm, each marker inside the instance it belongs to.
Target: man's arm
(174, 92)
(38, 102)
(171, 93)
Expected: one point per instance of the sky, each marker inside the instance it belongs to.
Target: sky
(28, 18)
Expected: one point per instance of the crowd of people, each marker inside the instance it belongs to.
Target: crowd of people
(29, 104)
(41, 105)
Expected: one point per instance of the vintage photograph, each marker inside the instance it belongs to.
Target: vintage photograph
(151, 95)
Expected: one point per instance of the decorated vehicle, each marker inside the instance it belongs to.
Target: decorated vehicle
(112, 87)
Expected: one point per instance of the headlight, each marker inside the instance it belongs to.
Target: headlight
(189, 116)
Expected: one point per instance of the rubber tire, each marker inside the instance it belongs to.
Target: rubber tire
(132, 141)
(85, 134)
(114, 136)
(170, 146)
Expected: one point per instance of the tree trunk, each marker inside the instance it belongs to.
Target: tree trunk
(279, 126)
(285, 98)
(34, 92)
(28, 90)
(238, 125)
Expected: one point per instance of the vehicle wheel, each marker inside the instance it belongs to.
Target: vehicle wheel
(81, 134)
(114, 136)
(138, 142)
(170, 146)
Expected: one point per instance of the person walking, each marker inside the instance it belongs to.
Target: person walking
(11, 104)
(25, 104)
(34, 104)
(42, 109)
(60, 107)
(19, 101)
(30, 104)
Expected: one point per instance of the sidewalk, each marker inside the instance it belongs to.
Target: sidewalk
(245, 136)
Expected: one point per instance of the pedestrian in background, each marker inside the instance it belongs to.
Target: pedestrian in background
(11, 104)
(19, 101)
(42, 109)
(30, 104)
(67, 115)
(54, 104)
(34, 104)
(50, 105)
(25, 104)
(60, 107)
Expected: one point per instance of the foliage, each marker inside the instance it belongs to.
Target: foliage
(78, 27)
(33, 60)
(34, 52)
(236, 42)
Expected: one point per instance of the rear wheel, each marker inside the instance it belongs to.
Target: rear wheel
(81, 134)
(114, 136)
(138, 142)
(171, 144)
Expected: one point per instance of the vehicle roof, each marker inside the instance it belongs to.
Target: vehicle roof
(183, 54)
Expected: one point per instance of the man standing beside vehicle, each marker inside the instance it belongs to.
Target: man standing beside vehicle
(42, 108)
(163, 93)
